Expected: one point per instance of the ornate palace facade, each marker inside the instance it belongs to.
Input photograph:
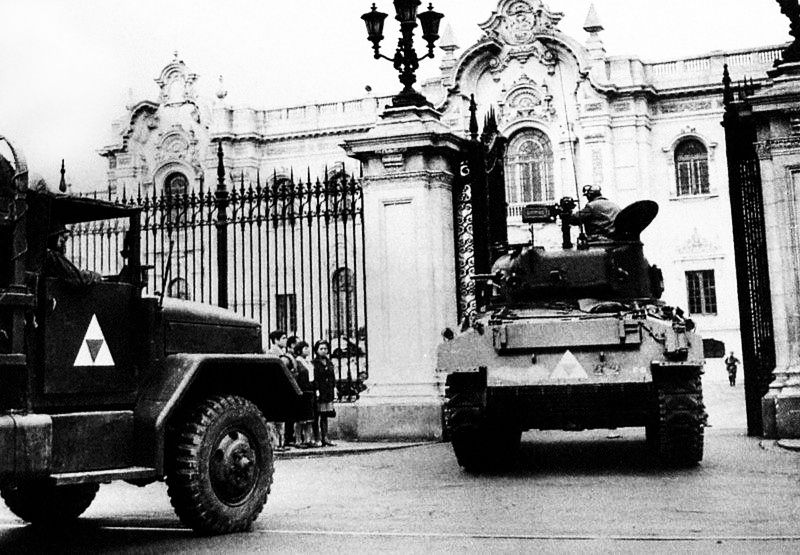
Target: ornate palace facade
(573, 115)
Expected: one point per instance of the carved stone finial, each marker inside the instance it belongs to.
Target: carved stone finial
(473, 118)
(448, 42)
(727, 94)
(592, 24)
(221, 92)
(62, 185)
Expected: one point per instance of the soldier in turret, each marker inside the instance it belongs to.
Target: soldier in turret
(597, 216)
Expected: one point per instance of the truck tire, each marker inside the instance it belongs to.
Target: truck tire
(48, 504)
(219, 465)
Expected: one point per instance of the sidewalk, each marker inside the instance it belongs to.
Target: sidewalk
(345, 448)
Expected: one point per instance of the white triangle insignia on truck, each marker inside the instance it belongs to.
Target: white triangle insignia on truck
(568, 368)
(94, 348)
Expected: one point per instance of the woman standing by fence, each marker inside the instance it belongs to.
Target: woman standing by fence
(325, 380)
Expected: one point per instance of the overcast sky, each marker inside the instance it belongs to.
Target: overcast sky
(68, 68)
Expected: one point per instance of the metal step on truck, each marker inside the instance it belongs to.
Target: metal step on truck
(100, 382)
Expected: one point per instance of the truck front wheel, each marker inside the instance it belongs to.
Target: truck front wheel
(219, 466)
(48, 504)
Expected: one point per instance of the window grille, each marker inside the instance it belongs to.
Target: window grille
(529, 169)
(343, 288)
(286, 312)
(701, 292)
(691, 168)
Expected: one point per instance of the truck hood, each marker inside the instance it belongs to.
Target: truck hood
(191, 327)
(178, 310)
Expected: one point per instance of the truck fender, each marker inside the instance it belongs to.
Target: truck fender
(261, 378)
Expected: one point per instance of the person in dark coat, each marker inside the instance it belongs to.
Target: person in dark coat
(303, 430)
(59, 266)
(732, 364)
(325, 382)
(289, 437)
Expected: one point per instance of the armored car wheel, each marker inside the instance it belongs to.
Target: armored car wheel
(220, 465)
(48, 504)
(482, 448)
(678, 436)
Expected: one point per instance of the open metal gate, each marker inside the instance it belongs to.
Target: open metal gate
(750, 250)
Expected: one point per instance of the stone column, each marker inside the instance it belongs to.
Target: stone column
(409, 160)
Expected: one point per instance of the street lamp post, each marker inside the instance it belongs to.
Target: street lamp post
(405, 58)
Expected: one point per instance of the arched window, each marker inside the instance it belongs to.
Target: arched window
(178, 288)
(529, 168)
(691, 168)
(176, 184)
(343, 285)
(284, 201)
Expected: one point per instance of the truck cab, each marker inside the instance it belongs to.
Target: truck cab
(100, 381)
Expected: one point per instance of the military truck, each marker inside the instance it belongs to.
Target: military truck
(574, 339)
(103, 382)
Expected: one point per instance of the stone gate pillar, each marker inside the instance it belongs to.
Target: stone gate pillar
(409, 160)
(774, 112)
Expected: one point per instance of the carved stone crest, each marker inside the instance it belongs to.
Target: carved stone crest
(176, 83)
(177, 144)
(517, 22)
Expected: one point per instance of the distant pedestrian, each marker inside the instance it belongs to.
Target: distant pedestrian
(277, 347)
(289, 438)
(303, 430)
(732, 364)
(325, 382)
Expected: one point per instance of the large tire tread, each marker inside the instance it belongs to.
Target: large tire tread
(188, 481)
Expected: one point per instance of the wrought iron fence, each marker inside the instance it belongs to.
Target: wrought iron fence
(287, 252)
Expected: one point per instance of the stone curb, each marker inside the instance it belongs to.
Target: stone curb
(789, 444)
(346, 448)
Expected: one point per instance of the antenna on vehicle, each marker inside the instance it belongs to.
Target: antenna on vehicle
(165, 272)
(582, 235)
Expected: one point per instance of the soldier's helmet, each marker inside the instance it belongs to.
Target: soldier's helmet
(592, 191)
(57, 228)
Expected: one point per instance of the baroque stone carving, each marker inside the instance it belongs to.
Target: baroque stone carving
(517, 26)
(699, 244)
(787, 145)
(597, 167)
(466, 251)
(177, 144)
(525, 100)
(536, 50)
(687, 106)
(176, 83)
(517, 22)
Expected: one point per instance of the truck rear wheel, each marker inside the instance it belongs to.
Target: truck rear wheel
(48, 504)
(220, 465)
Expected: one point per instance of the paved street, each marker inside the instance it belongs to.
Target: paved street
(568, 492)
